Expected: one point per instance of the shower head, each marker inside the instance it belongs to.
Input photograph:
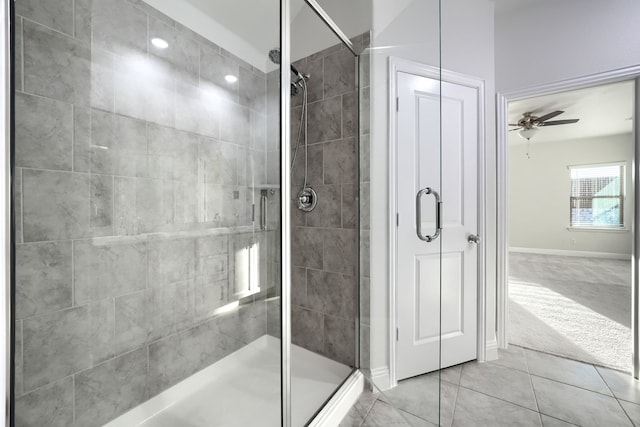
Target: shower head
(274, 56)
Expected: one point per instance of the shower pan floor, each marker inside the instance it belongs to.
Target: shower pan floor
(243, 389)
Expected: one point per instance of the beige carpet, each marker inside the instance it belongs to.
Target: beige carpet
(574, 307)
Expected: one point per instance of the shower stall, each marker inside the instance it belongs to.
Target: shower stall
(183, 256)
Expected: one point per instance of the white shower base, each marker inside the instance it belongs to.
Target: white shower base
(243, 390)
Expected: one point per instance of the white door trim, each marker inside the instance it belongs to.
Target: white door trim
(502, 244)
(402, 65)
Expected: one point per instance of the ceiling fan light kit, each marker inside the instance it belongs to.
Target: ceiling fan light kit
(527, 133)
(529, 124)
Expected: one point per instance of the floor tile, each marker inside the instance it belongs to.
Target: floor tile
(623, 385)
(512, 357)
(479, 410)
(497, 381)
(632, 410)
(548, 421)
(578, 406)
(384, 415)
(352, 419)
(452, 374)
(416, 421)
(419, 396)
(564, 370)
(359, 411)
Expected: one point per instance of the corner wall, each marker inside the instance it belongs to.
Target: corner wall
(539, 202)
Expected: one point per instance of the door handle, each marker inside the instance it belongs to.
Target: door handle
(473, 238)
(428, 238)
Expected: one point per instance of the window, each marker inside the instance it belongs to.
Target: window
(597, 196)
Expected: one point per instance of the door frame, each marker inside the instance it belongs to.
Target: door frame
(397, 65)
(502, 152)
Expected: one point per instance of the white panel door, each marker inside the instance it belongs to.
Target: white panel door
(437, 280)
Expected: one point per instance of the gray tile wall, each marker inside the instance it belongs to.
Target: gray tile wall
(325, 242)
(135, 174)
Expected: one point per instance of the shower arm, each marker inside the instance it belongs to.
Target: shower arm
(295, 71)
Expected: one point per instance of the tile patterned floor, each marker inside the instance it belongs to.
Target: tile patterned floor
(521, 388)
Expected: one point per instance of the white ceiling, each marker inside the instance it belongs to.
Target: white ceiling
(251, 28)
(254, 21)
(509, 5)
(602, 110)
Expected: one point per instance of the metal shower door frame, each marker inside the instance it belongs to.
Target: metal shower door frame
(285, 180)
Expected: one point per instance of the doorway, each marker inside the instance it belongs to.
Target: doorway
(565, 277)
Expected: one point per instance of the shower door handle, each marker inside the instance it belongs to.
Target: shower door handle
(434, 236)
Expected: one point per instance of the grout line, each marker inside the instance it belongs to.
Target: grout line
(455, 403)
(21, 354)
(58, 32)
(605, 383)
(73, 136)
(73, 401)
(366, 415)
(73, 273)
(21, 53)
(22, 206)
(40, 387)
(614, 396)
(573, 385)
(625, 412)
(535, 396)
(73, 23)
(498, 398)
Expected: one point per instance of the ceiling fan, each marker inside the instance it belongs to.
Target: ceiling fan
(528, 125)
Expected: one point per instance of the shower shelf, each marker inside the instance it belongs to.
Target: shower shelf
(265, 186)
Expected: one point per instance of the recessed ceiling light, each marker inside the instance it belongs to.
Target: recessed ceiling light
(159, 43)
(230, 78)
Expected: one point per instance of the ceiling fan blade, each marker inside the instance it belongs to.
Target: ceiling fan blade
(514, 124)
(559, 122)
(513, 130)
(548, 116)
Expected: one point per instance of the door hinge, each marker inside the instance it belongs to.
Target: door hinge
(397, 220)
(397, 334)
(397, 103)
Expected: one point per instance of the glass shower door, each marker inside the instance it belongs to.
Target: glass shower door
(406, 60)
(147, 211)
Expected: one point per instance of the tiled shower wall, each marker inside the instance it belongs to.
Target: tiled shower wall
(135, 174)
(325, 241)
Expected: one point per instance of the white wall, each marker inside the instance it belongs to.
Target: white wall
(410, 30)
(539, 194)
(549, 40)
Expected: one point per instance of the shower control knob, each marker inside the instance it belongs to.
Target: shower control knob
(473, 238)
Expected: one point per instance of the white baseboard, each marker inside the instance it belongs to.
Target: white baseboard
(381, 378)
(491, 351)
(562, 252)
(341, 402)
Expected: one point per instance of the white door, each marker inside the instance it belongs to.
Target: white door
(436, 280)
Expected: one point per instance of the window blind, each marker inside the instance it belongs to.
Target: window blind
(597, 196)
